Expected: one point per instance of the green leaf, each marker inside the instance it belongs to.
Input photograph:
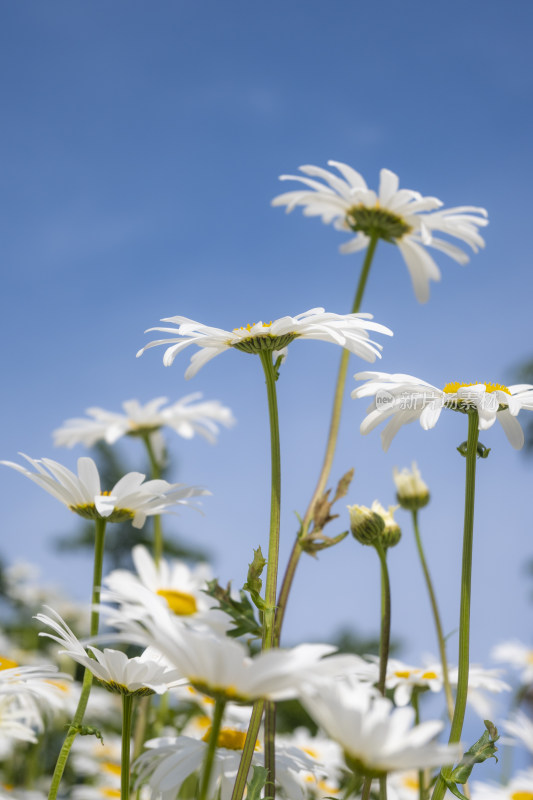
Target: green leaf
(483, 749)
(257, 783)
(241, 611)
(454, 790)
(87, 730)
(253, 582)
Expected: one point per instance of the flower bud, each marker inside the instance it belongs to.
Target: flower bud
(411, 491)
(365, 524)
(391, 534)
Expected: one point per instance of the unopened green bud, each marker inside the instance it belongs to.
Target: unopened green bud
(411, 491)
(365, 524)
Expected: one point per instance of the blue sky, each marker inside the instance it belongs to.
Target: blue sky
(141, 148)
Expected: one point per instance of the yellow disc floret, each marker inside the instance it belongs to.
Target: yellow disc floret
(181, 603)
(7, 663)
(522, 795)
(230, 739)
(453, 388)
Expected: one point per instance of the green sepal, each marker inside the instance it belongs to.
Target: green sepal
(277, 364)
(484, 748)
(241, 611)
(482, 451)
(86, 730)
(255, 787)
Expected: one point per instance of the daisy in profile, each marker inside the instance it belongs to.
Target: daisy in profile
(375, 736)
(520, 727)
(187, 417)
(130, 499)
(399, 216)
(401, 399)
(347, 330)
(141, 675)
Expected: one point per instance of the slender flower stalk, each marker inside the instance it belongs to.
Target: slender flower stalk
(127, 708)
(331, 446)
(466, 580)
(436, 617)
(100, 525)
(269, 613)
(421, 776)
(384, 639)
(211, 747)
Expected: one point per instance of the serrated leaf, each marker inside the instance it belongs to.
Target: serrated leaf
(480, 751)
(255, 786)
(241, 611)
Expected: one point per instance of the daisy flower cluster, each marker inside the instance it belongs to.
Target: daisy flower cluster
(173, 683)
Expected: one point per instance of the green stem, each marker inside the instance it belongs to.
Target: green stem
(331, 446)
(87, 677)
(248, 750)
(143, 708)
(211, 747)
(127, 708)
(273, 558)
(367, 785)
(156, 474)
(270, 594)
(464, 615)
(275, 495)
(436, 617)
(421, 777)
(384, 639)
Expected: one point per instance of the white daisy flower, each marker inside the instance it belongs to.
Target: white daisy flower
(347, 330)
(168, 762)
(130, 498)
(402, 679)
(324, 780)
(399, 216)
(375, 736)
(517, 654)
(520, 727)
(220, 666)
(520, 787)
(403, 398)
(481, 684)
(189, 416)
(173, 583)
(141, 675)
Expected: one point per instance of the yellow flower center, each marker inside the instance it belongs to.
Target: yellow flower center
(249, 327)
(428, 676)
(522, 795)
(403, 673)
(181, 603)
(410, 782)
(453, 387)
(229, 738)
(107, 792)
(529, 658)
(7, 663)
(311, 752)
(109, 766)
